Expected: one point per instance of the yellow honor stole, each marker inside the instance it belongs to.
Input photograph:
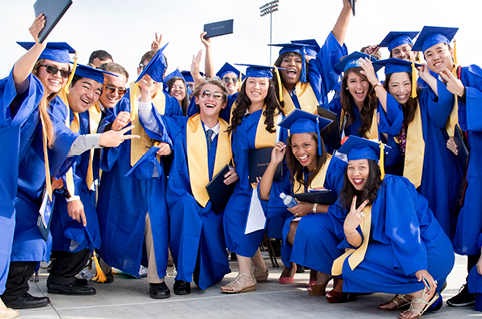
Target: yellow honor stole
(306, 98)
(355, 256)
(197, 156)
(414, 150)
(263, 137)
(454, 115)
(139, 146)
(372, 133)
(317, 183)
(48, 182)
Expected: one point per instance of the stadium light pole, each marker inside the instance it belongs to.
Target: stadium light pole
(269, 8)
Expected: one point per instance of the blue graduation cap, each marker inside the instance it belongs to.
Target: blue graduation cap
(91, 73)
(148, 166)
(228, 68)
(352, 61)
(155, 68)
(430, 36)
(175, 73)
(187, 76)
(54, 51)
(258, 71)
(396, 38)
(295, 48)
(312, 47)
(300, 121)
(394, 65)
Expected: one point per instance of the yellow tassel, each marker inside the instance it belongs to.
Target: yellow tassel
(101, 277)
(419, 58)
(455, 51)
(381, 163)
(240, 81)
(133, 96)
(72, 73)
(280, 85)
(414, 81)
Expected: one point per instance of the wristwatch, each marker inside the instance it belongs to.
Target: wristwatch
(314, 207)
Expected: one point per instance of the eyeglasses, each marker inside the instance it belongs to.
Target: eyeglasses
(112, 89)
(141, 66)
(216, 95)
(53, 70)
(227, 79)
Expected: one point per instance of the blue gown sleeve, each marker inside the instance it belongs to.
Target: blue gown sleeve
(390, 121)
(470, 115)
(335, 175)
(441, 107)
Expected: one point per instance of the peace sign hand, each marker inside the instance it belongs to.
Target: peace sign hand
(354, 217)
(454, 85)
(115, 138)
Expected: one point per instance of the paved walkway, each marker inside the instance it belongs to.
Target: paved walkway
(129, 298)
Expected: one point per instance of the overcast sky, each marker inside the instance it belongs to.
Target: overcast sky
(126, 28)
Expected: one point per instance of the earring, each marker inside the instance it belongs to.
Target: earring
(347, 87)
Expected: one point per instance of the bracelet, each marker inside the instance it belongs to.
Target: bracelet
(377, 84)
(315, 205)
(352, 234)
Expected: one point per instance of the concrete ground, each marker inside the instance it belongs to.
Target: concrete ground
(129, 298)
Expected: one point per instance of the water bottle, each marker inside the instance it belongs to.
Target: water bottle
(289, 201)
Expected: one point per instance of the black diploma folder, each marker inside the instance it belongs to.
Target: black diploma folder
(463, 152)
(218, 28)
(259, 160)
(352, 3)
(218, 191)
(323, 196)
(330, 134)
(53, 11)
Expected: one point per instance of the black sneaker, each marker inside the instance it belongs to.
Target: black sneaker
(462, 299)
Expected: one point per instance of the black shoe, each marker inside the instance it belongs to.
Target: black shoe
(109, 276)
(74, 288)
(462, 299)
(159, 291)
(300, 269)
(27, 301)
(182, 287)
(81, 281)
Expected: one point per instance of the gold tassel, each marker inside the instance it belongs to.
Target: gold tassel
(455, 51)
(414, 81)
(133, 96)
(240, 81)
(381, 163)
(279, 83)
(100, 277)
(72, 73)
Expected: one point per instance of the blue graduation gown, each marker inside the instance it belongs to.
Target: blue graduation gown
(124, 201)
(196, 232)
(12, 121)
(440, 183)
(469, 221)
(404, 238)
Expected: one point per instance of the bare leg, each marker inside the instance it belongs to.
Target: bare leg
(258, 260)
(244, 278)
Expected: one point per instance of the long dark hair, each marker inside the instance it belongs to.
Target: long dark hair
(369, 104)
(243, 102)
(368, 192)
(185, 101)
(409, 108)
(296, 168)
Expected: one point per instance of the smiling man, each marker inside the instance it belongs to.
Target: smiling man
(114, 86)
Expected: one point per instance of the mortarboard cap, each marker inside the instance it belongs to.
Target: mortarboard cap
(352, 61)
(396, 38)
(148, 166)
(91, 73)
(228, 68)
(188, 77)
(155, 68)
(300, 121)
(394, 65)
(54, 51)
(312, 47)
(295, 48)
(258, 71)
(430, 36)
(175, 73)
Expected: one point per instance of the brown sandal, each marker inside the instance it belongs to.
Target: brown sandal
(399, 300)
(235, 286)
(261, 274)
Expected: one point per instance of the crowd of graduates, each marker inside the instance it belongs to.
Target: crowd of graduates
(100, 168)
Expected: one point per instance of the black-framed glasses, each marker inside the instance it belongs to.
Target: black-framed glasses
(141, 66)
(112, 89)
(227, 79)
(53, 70)
(216, 95)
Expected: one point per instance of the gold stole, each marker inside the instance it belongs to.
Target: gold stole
(355, 256)
(263, 137)
(414, 150)
(454, 115)
(306, 98)
(197, 156)
(139, 146)
(317, 183)
(48, 182)
(372, 133)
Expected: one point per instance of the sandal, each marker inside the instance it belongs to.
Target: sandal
(261, 274)
(339, 297)
(419, 313)
(399, 300)
(9, 313)
(235, 286)
(317, 290)
(288, 280)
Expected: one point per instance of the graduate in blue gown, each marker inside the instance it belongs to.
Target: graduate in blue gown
(465, 85)
(395, 243)
(253, 126)
(201, 148)
(404, 116)
(131, 209)
(312, 169)
(474, 280)
(176, 86)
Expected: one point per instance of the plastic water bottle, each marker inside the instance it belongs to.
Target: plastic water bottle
(289, 201)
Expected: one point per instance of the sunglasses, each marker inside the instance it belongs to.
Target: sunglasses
(216, 95)
(53, 70)
(112, 89)
(227, 79)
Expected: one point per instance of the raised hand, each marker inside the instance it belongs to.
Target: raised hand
(122, 119)
(37, 26)
(454, 85)
(278, 153)
(196, 62)
(368, 70)
(156, 44)
(206, 42)
(354, 217)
